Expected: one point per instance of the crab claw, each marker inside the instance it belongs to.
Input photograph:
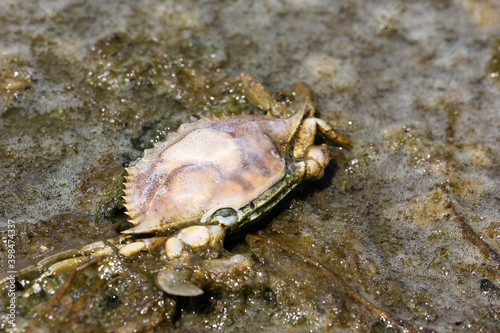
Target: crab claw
(188, 275)
(194, 237)
(173, 282)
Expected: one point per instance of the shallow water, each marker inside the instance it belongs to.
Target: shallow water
(86, 87)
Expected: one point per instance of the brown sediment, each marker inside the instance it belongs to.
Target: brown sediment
(384, 315)
(472, 236)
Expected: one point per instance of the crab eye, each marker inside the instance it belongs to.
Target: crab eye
(226, 216)
(194, 117)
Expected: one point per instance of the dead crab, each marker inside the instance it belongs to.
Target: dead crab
(211, 177)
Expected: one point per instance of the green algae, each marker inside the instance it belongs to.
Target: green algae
(493, 67)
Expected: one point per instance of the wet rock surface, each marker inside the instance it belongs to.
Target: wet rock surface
(408, 219)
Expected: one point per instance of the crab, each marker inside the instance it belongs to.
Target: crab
(210, 178)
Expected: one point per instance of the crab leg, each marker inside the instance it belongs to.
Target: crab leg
(178, 246)
(307, 134)
(124, 245)
(75, 259)
(258, 95)
(310, 124)
(305, 137)
(255, 92)
(339, 138)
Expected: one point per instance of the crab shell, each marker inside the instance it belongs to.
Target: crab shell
(206, 166)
